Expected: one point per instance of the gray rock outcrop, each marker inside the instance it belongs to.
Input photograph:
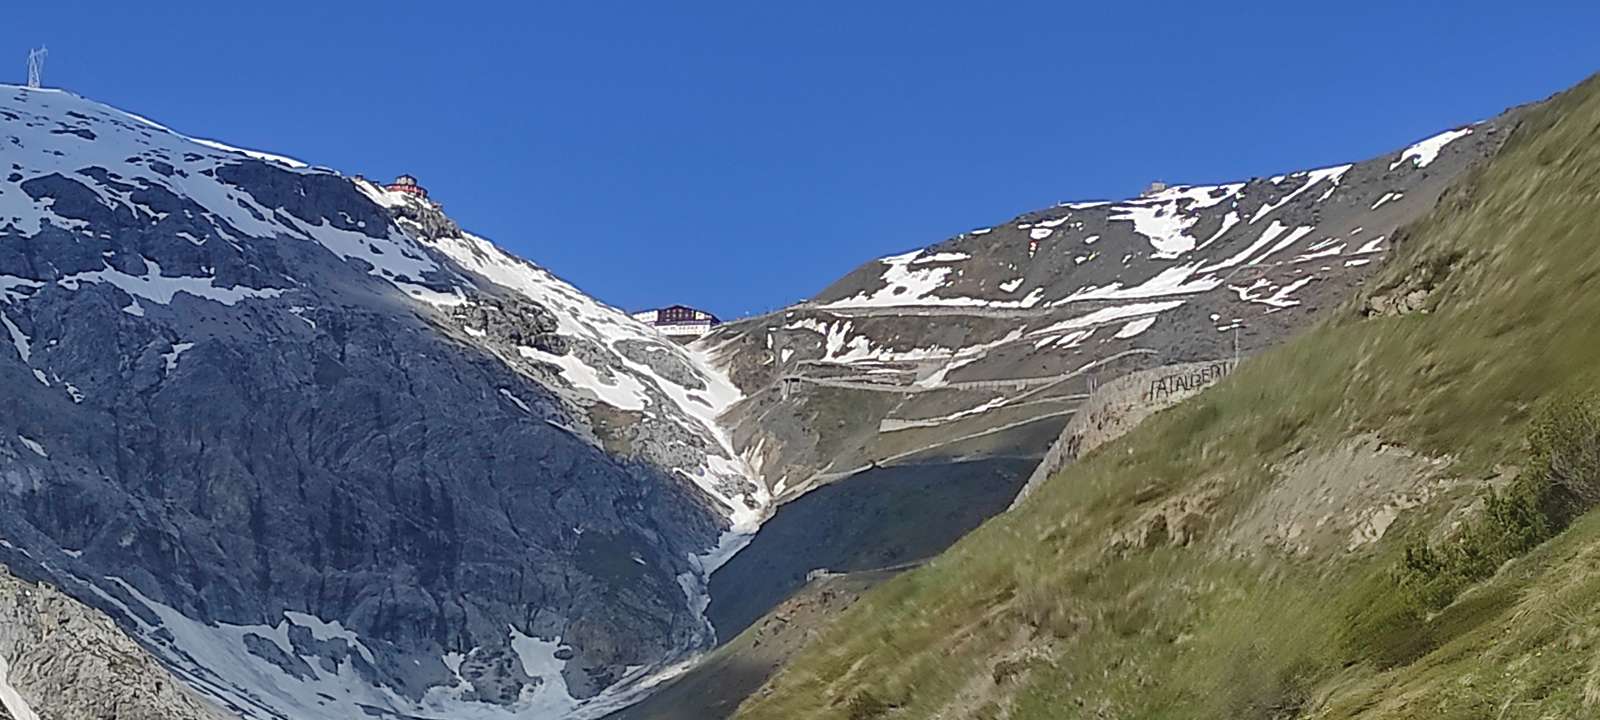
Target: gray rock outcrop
(67, 660)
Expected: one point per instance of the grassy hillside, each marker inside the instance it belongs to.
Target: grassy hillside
(1263, 550)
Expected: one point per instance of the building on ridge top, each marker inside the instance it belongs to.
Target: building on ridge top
(679, 321)
(408, 185)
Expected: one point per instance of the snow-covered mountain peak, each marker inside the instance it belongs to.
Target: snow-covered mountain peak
(611, 358)
(474, 459)
(112, 160)
(121, 160)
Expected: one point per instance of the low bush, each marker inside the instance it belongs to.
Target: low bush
(1513, 522)
(1559, 482)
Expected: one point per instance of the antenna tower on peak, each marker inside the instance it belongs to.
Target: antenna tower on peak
(36, 66)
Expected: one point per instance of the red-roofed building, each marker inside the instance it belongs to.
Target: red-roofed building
(408, 185)
(679, 320)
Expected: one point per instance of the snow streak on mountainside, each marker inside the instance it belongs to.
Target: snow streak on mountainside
(1005, 325)
(161, 159)
(329, 456)
(1187, 240)
(958, 360)
(636, 369)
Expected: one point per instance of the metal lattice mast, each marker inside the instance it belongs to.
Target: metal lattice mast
(36, 66)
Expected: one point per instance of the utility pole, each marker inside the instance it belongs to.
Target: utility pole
(1236, 345)
(36, 66)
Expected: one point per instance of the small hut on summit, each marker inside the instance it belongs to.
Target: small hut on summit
(408, 185)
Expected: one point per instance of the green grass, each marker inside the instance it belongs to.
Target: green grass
(1512, 259)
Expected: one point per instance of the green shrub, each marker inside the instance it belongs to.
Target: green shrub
(1513, 522)
(1559, 482)
(1564, 449)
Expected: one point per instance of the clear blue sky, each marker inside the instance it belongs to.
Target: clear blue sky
(741, 155)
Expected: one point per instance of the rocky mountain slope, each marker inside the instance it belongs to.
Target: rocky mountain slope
(1384, 518)
(1011, 321)
(326, 455)
(61, 659)
(962, 363)
(717, 683)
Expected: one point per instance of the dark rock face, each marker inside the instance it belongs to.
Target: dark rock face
(513, 323)
(230, 423)
(879, 519)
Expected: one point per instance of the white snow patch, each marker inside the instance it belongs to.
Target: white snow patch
(299, 311)
(1293, 237)
(840, 345)
(892, 424)
(941, 257)
(1164, 218)
(1387, 198)
(1424, 153)
(964, 356)
(1267, 236)
(1313, 178)
(1135, 328)
(1264, 292)
(257, 154)
(33, 445)
(1175, 280)
(1323, 243)
(1107, 315)
(516, 400)
(1314, 253)
(19, 339)
(9, 285)
(905, 286)
(622, 390)
(454, 298)
(1074, 339)
(160, 289)
(215, 660)
(1228, 221)
(551, 698)
(171, 357)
